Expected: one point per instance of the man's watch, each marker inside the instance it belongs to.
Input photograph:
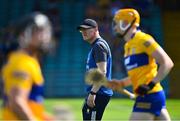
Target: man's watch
(93, 93)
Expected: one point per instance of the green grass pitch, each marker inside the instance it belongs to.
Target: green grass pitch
(117, 109)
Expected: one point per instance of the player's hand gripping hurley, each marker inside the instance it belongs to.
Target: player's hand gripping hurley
(96, 77)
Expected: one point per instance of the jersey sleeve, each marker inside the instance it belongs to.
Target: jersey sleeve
(21, 78)
(150, 45)
(25, 75)
(36, 73)
(100, 53)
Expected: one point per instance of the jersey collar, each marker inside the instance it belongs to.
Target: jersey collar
(95, 41)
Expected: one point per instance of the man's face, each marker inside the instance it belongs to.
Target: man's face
(120, 27)
(88, 34)
(41, 38)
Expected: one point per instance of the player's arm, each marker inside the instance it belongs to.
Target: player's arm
(164, 61)
(165, 64)
(18, 97)
(119, 86)
(19, 103)
(119, 83)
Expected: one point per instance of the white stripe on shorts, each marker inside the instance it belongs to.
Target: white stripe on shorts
(93, 116)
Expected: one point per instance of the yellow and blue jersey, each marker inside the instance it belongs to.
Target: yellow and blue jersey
(23, 71)
(140, 64)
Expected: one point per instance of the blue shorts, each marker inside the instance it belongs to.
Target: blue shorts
(152, 103)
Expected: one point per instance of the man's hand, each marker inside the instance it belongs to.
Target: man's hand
(115, 84)
(91, 100)
(144, 89)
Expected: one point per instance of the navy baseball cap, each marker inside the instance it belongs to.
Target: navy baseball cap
(87, 24)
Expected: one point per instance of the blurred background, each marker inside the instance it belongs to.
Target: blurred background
(64, 69)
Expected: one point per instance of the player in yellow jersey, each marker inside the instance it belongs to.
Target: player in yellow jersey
(22, 76)
(142, 53)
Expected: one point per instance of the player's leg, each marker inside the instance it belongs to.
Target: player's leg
(164, 115)
(148, 106)
(141, 116)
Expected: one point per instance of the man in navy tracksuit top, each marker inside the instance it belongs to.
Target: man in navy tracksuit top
(99, 57)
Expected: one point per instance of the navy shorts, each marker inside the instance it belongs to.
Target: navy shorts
(152, 103)
(96, 112)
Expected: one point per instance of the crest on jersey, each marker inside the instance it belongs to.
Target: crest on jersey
(147, 44)
(133, 50)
